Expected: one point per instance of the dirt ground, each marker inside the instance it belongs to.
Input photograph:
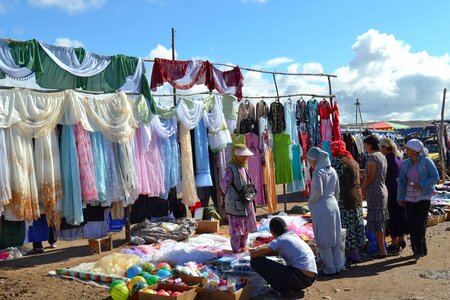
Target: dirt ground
(397, 277)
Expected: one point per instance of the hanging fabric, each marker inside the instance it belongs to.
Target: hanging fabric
(184, 75)
(48, 177)
(171, 159)
(290, 121)
(218, 133)
(262, 109)
(114, 179)
(276, 117)
(24, 203)
(86, 165)
(163, 128)
(187, 168)
(72, 209)
(326, 130)
(202, 169)
(295, 151)
(66, 58)
(269, 169)
(337, 133)
(189, 112)
(5, 184)
(98, 155)
(127, 168)
(7, 64)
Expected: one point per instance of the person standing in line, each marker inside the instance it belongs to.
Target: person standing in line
(325, 215)
(241, 212)
(397, 214)
(375, 192)
(350, 199)
(418, 175)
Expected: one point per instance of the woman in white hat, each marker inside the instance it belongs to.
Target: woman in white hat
(239, 194)
(418, 175)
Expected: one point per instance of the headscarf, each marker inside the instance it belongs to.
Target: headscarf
(339, 148)
(321, 158)
(234, 158)
(388, 143)
(417, 146)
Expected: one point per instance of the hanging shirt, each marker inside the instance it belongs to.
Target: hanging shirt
(276, 117)
(246, 111)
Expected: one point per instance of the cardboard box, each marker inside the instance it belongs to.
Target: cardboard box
(206, 294)
(191, 280)
(188, 293)
(204, 226)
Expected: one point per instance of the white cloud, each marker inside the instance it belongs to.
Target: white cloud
(160, 52)
(391, 81)
(66, 42)
(70, 6)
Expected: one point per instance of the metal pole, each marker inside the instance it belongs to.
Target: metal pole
(173, 59)
(441, 139)
(356, 112)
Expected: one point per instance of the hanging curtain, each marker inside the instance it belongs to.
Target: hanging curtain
(189, 112)
(24, 203)
(187, 168)
(219, 135)
(5, 185)
(99, 160)
(7, 64)
(72, 207)
(48, 177)
(202, 170)
(114, 178)
(184, 75)
(127, 168)
(8, 113)
(67, 59)
(164, 128)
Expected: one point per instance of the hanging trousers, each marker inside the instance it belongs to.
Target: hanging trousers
(416, 219)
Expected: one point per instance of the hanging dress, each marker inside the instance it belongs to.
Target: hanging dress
(313, 122)
(276, 117)
(255, 167)
(283, 167)
(230, 111)
(72, 208)
(171, 159)
(89, 192)
(337, 133)
(294, 149)
(187, 168)
(268, 170)
(246, 111)
(114, 180)
(326, 129)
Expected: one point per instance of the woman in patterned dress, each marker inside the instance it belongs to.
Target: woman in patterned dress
(350, 199)
(375, 191)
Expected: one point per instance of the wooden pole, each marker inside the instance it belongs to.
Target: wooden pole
(442, 141)
(173, 59)
(127, 224)
(284, 185)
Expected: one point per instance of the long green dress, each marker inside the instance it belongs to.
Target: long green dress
(283, 167)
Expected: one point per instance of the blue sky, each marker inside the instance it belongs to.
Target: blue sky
(305, 34)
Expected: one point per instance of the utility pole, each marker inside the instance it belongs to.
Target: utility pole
(358, 110)
(442, 142)
(173, 59)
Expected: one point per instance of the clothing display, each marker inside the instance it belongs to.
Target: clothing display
(187, 168)
(270, 182)
(262, 110)
(301, 113)
(255, 167)
(299, 183)
(283, 166)
(276, 117)
(5, 186)
(290, 121)
(312, 110)
(230, 111)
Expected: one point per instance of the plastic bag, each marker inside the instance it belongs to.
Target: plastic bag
(115, 264)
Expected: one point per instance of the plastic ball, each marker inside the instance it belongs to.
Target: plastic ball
(153, 279)
(135, 281)
(143, 273)
(116, 282)
(147, 276)
(149, 291)
(164, 266)
(120, 292)
(148, 267)
(164, 273)
(139, 286)
(134, 271)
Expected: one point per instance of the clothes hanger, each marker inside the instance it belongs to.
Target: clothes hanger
(289, 99)
(246, 101)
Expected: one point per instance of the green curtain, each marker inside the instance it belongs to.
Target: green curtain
(49, 75)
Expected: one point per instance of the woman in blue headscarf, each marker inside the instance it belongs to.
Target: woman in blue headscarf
(325, 211)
